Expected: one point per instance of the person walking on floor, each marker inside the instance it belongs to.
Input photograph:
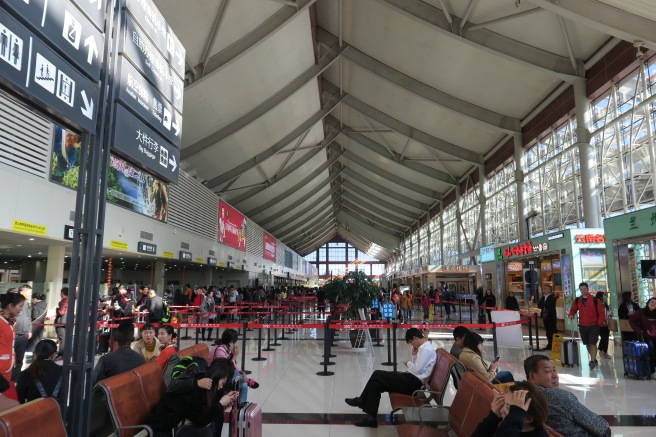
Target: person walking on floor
(591, 317)
(604, 332)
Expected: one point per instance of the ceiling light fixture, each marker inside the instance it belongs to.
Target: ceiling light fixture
(31, 239)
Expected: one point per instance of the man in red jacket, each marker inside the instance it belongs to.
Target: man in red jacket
(591, 317)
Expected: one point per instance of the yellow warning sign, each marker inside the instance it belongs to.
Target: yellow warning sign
(556, 344)
(168, 254)
(200, 260)
(28, 228)
(120, 245)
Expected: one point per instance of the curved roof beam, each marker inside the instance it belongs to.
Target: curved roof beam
(383, 203)
(358, 241)
(254, 38)
(264, 107)
(372, 145)
(280, 145)
(404, 129)
(319, 241)
(490, 42)
(290, 209)
(295, 233)
(375, 235)
(604, 18)
(440, 98)
(318, 229)
(367, 165)
(292, 168)
(381, 213)
(302, 183)
(373, 217)
(385, 191)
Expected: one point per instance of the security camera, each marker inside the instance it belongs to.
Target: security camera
(639, 53)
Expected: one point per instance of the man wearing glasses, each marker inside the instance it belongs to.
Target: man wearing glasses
(420, 366)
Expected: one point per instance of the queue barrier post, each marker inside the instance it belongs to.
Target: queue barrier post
(268, 348)
(394, 326)
(389, 348)
(275, 330)
(460, 310)
(243, 348)
(282, 330)
(471, 314)
(530, 335)
(494, 339)
(326, 350)
(259, 347)
(537, 332)
(197, 330)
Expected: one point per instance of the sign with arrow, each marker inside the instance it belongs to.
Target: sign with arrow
(143, 146)
(63, 26)
(138, 94)
(145, 56)
(94, 10)
(32, 68)
(151, 20)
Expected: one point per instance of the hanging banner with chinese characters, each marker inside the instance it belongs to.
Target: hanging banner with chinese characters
(269, 247)
(232, 227)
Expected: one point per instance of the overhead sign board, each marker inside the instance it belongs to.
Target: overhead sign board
(28, 65)
(149, 248)
(94, 9)
(144, 147)
(211, 261)
(186, 256)
(143, 53)
(60, 23)
(151, 20)
(137, 93)
(69, 232)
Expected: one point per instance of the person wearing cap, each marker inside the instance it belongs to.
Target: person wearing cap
(420, 366)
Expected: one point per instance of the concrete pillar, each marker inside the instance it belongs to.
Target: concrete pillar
(54, 277)
(589, 182)
(158, 277)
(522, 201)
(208, 275)
(482, 218)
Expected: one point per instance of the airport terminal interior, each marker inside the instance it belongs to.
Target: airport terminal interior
(275, 144)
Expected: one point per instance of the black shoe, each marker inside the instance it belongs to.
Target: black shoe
(367, 423)
(353, 402)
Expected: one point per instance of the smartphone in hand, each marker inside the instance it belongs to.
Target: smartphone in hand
(497, 359)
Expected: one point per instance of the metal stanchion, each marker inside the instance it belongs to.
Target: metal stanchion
(471, 315)
(275, 330)
(268, 348)
(494, 339)
(537, 332)
(259, 347)
(389, 348)
(394, 325)
(530, 336)
(282, 330)
(186, 336)
(460, 311)
(243, 349)
(326, 351)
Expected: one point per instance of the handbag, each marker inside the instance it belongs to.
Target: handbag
(612, 324)
(625, 326)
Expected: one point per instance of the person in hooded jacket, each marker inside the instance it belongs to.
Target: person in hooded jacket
(643, 323)
(39, 310)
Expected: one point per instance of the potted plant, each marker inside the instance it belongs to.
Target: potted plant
(357, 291)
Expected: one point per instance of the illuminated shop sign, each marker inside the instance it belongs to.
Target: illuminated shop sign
(590, 238)
(520, 249)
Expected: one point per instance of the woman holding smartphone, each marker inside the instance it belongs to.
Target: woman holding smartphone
(472, 359)
(227, 348)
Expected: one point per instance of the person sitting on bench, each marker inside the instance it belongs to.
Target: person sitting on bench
(420, 367)
(459, 333)
(472, 358)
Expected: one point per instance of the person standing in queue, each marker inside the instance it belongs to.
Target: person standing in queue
(60, 320)
(11, 304)
(23, 329)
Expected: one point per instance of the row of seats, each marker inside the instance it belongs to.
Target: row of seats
(121, 404)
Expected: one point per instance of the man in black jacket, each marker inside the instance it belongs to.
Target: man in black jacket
(155, 307)
(122, 359)
(548, 314)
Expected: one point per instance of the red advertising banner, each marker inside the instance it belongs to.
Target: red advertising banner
(232, 227)
(269, 247)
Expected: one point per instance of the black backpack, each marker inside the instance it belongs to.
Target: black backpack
(189, 367)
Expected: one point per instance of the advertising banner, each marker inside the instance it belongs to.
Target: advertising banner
(232, 227)
(269, 247)
(127, 186)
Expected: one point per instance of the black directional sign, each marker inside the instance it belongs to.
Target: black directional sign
(69, 232)
(143, 146)
(148, 248)
(94, 9)
(151, 20)
(28, 65)
(211, 261)
(187, 256)
(138, 94)
(65, 27)
(143, 53)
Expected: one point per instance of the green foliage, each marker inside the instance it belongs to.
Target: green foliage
(71, 177)
(355, 289)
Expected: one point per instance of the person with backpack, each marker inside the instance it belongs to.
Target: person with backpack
(591, 318)
(43, 378)
(194, 403)
(227, 348)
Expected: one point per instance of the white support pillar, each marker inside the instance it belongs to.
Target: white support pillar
(54, 274)
(482, 217)
(158, 277)
(589, 183)
(522, 202)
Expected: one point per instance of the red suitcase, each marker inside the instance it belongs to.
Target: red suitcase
(247, 422)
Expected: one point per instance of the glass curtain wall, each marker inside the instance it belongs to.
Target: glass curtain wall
(501, 213)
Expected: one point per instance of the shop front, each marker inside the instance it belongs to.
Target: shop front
(461, 279)
(631, 249)
(561, 260)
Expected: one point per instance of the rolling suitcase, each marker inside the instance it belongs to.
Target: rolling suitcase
(636, 359)
(569, 356)
(247, 421)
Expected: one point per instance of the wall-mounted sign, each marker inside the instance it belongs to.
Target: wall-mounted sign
(515, 267)
(231, 265)
(120, 245)
(269, 247)
(69, 232)
(487, 254)
(589, 238)
(200, 260)
(185, 256)
(211, 261)
(167, 254)
(149, 248)
(555, 236)
(28, 228)
(520, 249)
(232, 227)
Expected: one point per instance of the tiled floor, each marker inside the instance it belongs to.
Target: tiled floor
(298, 402)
